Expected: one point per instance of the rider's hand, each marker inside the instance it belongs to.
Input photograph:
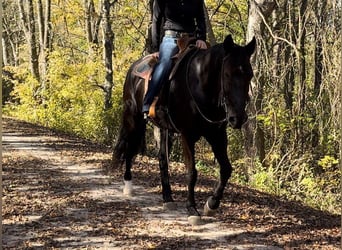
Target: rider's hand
(201, 44)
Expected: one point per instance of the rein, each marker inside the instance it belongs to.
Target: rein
(221, 98)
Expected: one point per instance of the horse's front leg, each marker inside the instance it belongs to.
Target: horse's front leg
(218, 142)
(165, 146)
(194, 216)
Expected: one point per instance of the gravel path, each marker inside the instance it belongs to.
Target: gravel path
(58, 194)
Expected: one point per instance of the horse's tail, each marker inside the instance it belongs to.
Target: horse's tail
(131, 139)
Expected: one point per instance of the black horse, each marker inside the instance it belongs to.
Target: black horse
(207, 90)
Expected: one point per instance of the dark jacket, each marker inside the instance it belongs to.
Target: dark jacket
(178, 15)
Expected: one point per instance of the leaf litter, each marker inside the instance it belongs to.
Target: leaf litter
(58, 193)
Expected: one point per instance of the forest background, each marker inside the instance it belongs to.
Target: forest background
(64, 65)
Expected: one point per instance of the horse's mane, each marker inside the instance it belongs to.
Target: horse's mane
(217, 50)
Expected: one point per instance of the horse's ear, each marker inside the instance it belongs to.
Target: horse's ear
(250, 47)
(228, 43)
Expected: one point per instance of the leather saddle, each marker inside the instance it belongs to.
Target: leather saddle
(145, 67)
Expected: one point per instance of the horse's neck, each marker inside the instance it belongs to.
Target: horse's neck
(211, 63)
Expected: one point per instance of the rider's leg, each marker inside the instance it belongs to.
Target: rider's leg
(167, 49)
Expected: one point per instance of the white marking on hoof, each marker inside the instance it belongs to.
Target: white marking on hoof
(128, 188)
(208, 211)
(169, 206)
(195, 220)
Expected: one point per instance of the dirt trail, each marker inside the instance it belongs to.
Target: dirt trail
(56, 194)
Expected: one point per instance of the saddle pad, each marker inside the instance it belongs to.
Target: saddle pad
(145, 67)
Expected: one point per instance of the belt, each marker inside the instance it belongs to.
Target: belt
(178, 34)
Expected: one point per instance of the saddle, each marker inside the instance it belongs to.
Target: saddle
(145, 67)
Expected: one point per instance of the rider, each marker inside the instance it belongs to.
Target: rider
(181, 18)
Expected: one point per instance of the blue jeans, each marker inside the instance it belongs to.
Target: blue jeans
(167, 49)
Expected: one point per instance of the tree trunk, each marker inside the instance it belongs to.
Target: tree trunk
(148, 42)
(87, 9)
(254, 135)
(5, 60)
(11, 39)
(320, 10)
(211, 35)
(289, 79)
(92, 24)
(44, 25)
(289, 58)
(48, 27)
(13, 52)
(108, 42)
(277, 50)
(28, 23)
(301, 60)
(41, 25)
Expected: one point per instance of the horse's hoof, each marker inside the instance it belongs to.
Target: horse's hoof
(128, 188)
(169, 206)
(195, 220)
(208, 211)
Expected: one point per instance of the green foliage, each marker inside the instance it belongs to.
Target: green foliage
(318, 190)
(8, 83)
(228, 17)
(70, 102)
(24, 102)
(264, 179)
(240, 173)
(298, 181)
(206, 168)
(327, 162)
(330, 173)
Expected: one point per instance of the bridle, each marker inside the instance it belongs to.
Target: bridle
(222, 98)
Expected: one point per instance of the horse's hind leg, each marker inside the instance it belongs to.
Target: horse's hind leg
(129, 144)
(128, 188)
(165, 145)
(129, 155)
(219, 146)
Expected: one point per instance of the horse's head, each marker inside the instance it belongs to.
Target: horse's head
(236, 76)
